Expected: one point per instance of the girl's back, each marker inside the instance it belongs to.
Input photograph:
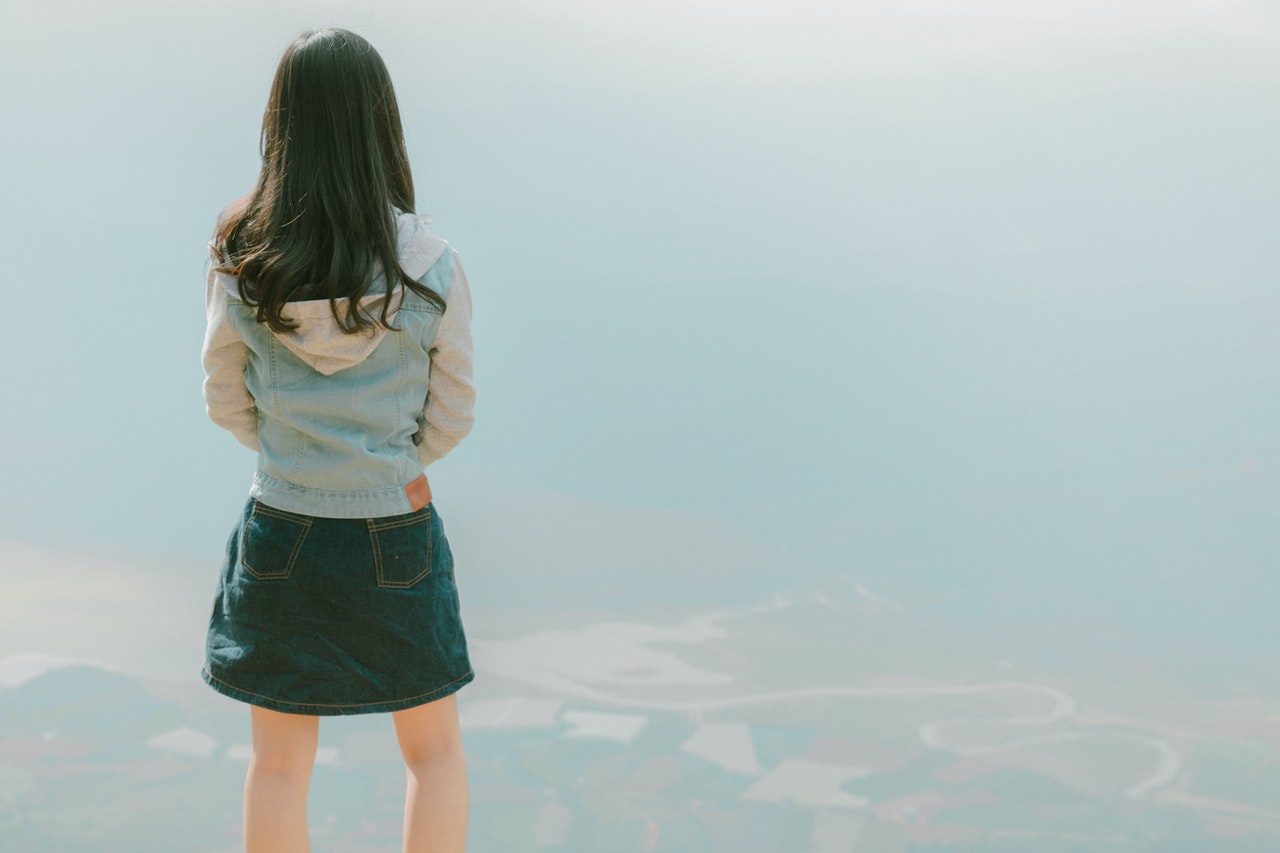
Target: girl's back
(344, 421)
(338, 347)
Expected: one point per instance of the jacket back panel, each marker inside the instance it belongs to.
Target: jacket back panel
(342, 444)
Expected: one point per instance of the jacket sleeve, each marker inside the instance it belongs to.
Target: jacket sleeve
(226, 396)
(450, 405)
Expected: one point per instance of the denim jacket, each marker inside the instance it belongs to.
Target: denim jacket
(343, 422)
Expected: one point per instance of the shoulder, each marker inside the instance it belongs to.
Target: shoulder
(440, 278)
(220, 285)
(418, 246)
(218, 238)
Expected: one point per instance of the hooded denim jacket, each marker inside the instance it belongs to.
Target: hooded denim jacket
(343, 422)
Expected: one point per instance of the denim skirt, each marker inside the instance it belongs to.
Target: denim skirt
(329, 616)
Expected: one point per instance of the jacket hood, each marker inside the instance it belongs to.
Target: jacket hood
(318, 340)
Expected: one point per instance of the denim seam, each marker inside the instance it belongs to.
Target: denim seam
(375, 529)
(304, 523)
(302, 451)
(284, 485)
(267, 509)
(273, 377)
(404, 370)
(469, 673)
(375, 525)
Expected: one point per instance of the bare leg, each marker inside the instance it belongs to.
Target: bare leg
(275, 788)
(436, 801)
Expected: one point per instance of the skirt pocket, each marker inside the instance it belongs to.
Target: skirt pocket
(401, 548)
(271, 540)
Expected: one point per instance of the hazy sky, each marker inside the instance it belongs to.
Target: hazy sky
(979, 296)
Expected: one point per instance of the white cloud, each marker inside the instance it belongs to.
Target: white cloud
(509, 712)
(809, 783)
(727, 744)
(21, 668)
(624, 728)
(62, 606)
(777, 39)
(185, 741)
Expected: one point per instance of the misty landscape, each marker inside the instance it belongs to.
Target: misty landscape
(823, 715)
(876, 442)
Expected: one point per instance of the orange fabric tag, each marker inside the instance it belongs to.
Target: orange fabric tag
(418, 492)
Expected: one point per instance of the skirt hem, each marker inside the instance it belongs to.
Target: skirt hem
(333, 709)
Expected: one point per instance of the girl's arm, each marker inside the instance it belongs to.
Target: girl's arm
(226, 396)
(451, 395)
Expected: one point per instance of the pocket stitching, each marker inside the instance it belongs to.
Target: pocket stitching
(376, 528)
(413, 518)
(260, 508)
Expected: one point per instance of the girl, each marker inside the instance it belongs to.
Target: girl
(339, 348)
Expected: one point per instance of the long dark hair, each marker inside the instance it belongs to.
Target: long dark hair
(320, 222)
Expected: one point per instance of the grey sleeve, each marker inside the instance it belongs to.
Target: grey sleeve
(449, 412)
(226, 396)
